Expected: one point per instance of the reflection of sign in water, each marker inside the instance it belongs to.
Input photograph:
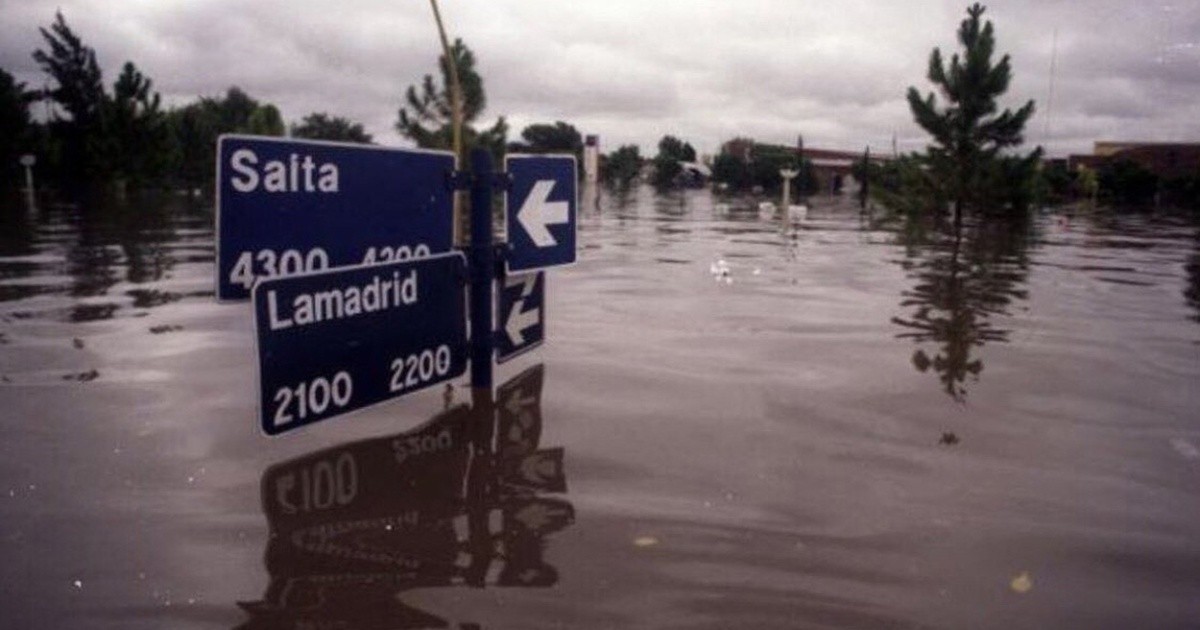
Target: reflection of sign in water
(353, 526)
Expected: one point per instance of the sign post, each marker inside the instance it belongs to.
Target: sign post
(28, 160)
(483, 270)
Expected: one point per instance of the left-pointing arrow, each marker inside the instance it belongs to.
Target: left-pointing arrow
(538, 211)
(520, 320)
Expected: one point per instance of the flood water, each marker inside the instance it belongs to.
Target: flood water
(842, 423)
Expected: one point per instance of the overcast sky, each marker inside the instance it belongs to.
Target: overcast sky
(634, 70)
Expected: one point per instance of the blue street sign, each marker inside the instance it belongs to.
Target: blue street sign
(334, 341)
(540, 211)
(293, 206)
(522, 314)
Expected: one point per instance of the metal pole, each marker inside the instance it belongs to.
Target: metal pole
(483, 269)
(456, 117)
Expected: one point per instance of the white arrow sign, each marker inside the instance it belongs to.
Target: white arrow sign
(520, 320)
(538, 211)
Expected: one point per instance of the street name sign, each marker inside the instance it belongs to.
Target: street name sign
(522, 314)
(331, 342)
(293, 206)
(540, 210)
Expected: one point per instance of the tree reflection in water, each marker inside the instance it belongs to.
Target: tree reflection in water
(964, 276)
(1191, 292)
(457, 502)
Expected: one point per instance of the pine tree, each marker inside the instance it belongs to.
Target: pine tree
(79, 93)
(965, 159)
(322, 126)
(138, 136)
(426, 117)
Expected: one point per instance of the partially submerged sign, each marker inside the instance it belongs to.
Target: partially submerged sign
(286, 207)
(334, 341)
(522, 314)
(540, 211)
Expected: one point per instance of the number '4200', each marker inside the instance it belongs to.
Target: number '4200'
(268, 263)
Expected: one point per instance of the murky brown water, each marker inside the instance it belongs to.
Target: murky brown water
(843, 424)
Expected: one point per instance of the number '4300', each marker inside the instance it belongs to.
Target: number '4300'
(267, 263)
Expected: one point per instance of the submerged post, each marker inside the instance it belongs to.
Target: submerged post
(787, 174)
(27, 161)
(482, 258)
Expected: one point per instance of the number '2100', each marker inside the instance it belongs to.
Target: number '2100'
(312, 398)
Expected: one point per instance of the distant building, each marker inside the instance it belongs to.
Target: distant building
(1167, 160)
(831, 166)
(591, 158)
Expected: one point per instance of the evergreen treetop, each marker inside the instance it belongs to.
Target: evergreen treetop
(967, 131)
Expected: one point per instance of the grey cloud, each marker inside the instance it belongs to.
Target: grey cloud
(631, 71)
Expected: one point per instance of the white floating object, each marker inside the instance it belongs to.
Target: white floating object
(1185, 448)
(719, 269)
(798, 212)
(766, 206)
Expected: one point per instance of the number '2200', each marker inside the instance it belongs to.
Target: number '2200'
(422, 367)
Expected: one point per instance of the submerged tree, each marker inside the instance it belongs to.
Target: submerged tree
(15, 123)
(427, 115)
(671, 151)
(196, 127)
(559, 137)
(322, 126)
(138, 135)
(79, 94)
(621, 166)
(964, 162)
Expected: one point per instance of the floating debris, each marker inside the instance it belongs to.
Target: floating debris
(948, 438)
(1022, 583)
(1185, 448)
(78, 343)
(721, 271)
(166, 328)
(645, 541)
(78, 583)
(83, 377)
